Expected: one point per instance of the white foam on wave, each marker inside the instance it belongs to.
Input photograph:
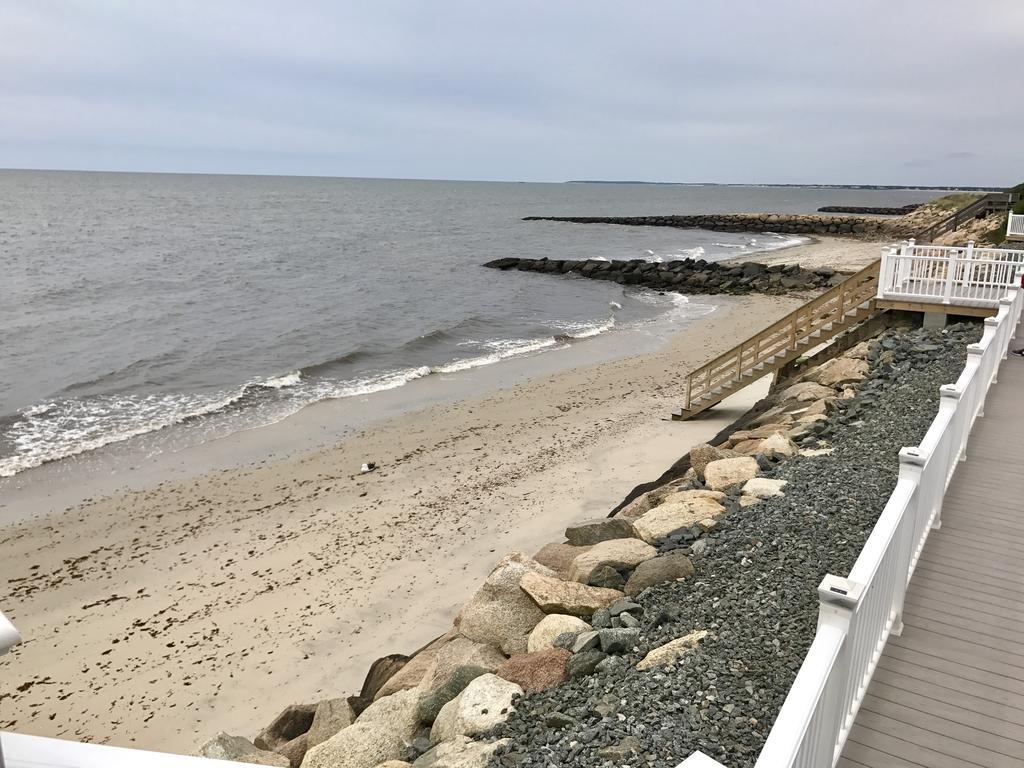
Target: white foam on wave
(280, 382)
(697, 252)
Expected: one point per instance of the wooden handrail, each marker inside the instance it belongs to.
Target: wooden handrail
(784, 334)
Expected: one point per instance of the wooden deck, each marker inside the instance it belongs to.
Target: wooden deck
(949, 693)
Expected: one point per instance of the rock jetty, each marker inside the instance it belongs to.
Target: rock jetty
(690, 276)
(674, 625)
(861, 227)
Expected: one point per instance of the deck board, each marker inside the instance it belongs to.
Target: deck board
(950, 690)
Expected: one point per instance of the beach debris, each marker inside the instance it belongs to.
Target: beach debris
(369, 466)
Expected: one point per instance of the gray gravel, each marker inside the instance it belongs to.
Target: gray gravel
(755, 590)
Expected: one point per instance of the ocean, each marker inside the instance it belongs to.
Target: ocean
(145, 306)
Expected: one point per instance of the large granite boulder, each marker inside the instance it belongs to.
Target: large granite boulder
(670, 652)
(703, 454)
(460, 752)
(594, 531)
(551, 626)
(617, 553)
(557, 596)
(361, 745)
(431, 703)
(241, 750)
(460, 652)
(500, 613)
(778, 445)
(536, 671)
(763, 487)
(558, 557)
(486, 702)
(839, 371)
(330, 717)
(668, 567)
(806, 391)
(664, 520)
(293, 721)
(724, 474)
(398, 712)
(416, 668)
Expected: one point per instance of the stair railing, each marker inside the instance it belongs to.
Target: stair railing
(783, 335)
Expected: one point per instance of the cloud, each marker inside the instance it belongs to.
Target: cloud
(797, 92)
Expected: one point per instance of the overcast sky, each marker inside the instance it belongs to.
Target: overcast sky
(884, 91)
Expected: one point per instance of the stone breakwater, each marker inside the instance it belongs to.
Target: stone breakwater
(690, 276)
(790, 223)
(677, 624)
(870, 210)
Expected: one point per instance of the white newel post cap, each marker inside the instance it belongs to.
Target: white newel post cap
(913, 456)
(9, 636)
(947, 390)
(700, 760)
(835, 590)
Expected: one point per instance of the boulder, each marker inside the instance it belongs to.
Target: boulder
(747, 447)
(330, 717)
(778, 445)
(241, 750)
(457, 653)
(607, 577)
(559, 557)
(670, 652)
(536, 671)
(618, 640)
(293, 721)
(486, 702)
(416, 669)
(398, 713)
(294, 750)
(543, 635)
(668, 567)
(594, 531)
(617, 553)
(762, 487)
(703, 454)
(860, 352)
(651, 499)
(698, 493)
(668, 518)
(460, 752)
(839, 371)
(361, 745)
(381, 670)
(806, 391)
(727, 473)
(500, 613)
(584, 663)
(432, 703)
(557, 596)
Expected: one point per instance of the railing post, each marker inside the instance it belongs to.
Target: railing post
(912, 464)
(838, 599)
(947, 294)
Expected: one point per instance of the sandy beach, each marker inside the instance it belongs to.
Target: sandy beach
(158, 617)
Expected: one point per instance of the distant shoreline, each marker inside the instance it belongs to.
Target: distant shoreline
(909, 187)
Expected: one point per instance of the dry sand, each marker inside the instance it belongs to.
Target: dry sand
(157, 618)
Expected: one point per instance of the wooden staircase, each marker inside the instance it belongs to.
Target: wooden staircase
(816, 322)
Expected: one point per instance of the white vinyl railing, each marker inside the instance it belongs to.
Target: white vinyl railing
(935, 274)
(857, 614)
(1015, 225)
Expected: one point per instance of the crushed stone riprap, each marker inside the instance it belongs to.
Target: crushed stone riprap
(754, 592)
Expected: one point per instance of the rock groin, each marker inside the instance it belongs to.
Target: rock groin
(870, 210)
(690, 276)
(790, 223)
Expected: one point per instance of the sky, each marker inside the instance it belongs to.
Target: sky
(740, 91)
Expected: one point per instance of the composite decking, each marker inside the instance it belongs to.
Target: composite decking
(949, 692)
